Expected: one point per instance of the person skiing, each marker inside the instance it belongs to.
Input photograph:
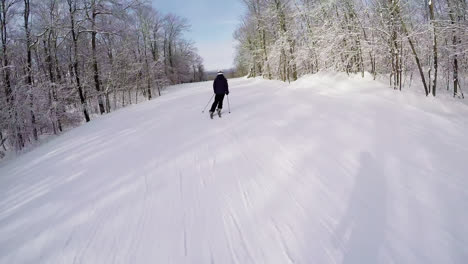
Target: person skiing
(220, 88)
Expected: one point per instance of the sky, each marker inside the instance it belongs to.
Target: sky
(212, 25)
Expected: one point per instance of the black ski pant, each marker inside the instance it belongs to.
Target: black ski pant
(217, 102)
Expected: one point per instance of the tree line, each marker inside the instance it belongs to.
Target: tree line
(66, 61)
(285, 39)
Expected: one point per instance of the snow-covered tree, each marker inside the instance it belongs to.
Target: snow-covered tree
(284, 39)
(65, 61)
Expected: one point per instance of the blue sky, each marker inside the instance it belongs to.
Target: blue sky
(212, 25)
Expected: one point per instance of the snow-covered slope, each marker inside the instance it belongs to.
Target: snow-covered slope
(325, 170)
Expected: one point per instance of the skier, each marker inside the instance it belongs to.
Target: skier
(220, 88)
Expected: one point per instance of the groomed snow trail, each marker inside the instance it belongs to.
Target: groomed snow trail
(326, 170)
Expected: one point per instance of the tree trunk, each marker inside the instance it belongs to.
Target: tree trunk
(434, 46)
(415, 54)
(4, 37)
(97, 83)
(75, 64)
(29, 80)
(455, 49)
(147, 66)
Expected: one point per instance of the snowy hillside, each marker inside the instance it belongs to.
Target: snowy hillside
(325, 170)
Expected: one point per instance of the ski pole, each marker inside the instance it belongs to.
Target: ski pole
(229, 104)
(208, 103)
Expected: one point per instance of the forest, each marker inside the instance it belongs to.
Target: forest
(67, 61)
(405, 41)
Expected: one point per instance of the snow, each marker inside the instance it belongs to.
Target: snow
(329, 169)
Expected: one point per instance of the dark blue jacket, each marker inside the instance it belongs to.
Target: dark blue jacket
(220, 85)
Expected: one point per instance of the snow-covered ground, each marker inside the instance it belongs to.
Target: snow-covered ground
(326, 170)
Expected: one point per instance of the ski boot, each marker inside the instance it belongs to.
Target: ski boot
(219, 112)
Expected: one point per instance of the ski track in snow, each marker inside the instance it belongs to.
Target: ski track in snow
(325, 170)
